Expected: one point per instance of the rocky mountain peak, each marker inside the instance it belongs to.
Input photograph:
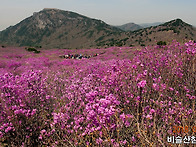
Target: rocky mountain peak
(176, 23)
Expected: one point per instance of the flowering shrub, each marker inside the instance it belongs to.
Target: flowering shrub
(25, 108)
(124, 97)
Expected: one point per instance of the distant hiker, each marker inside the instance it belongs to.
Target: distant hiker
(66, 56)
(80, 57)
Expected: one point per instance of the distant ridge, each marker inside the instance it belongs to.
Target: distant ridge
(129, 27)
(146, 25)
(173, 30)
(55, 28)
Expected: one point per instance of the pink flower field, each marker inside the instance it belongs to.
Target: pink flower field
(123, 96)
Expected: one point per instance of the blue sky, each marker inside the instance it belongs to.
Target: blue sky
(114, 12)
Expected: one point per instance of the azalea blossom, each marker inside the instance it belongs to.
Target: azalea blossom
(141, 84)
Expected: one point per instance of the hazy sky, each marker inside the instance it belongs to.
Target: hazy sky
(114, 12)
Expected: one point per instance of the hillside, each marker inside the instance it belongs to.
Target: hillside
(54, 28)
(129, 27)
(169, 31)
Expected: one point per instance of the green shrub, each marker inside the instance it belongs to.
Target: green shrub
(37, 52)
(161, 43)
(31, 49)
(119, 44)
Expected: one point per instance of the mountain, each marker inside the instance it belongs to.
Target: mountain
(54, 28)
(169, 31)
(135, 27)
(146, 25)
(129, 27)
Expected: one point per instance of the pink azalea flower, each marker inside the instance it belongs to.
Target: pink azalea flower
(155, 86)
(152, 111)
(141, 84)
(149, 116)
(133, 139)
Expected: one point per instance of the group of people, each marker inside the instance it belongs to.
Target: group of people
(77, 56)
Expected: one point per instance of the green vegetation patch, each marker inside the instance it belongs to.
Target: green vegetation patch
(31, 49)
